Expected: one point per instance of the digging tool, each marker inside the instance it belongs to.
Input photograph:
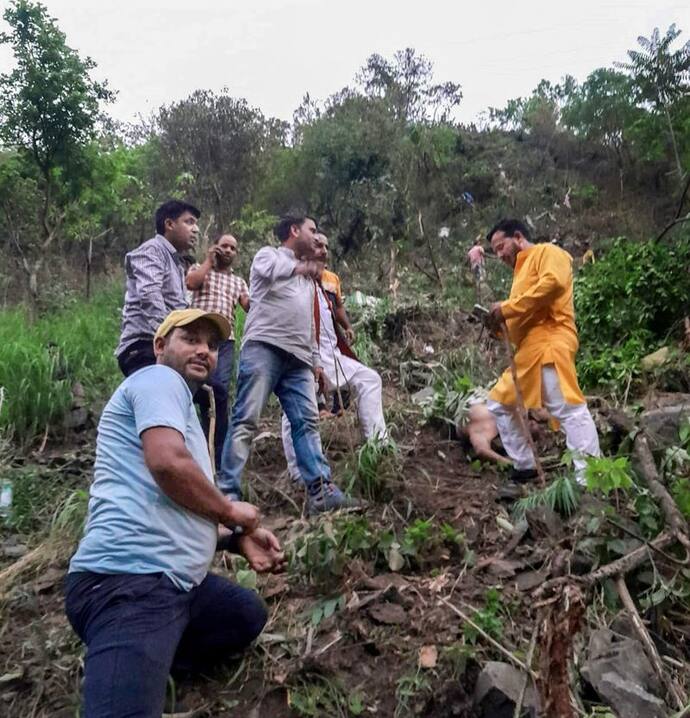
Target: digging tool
(211, 426)
(520, 403)
(484, 315)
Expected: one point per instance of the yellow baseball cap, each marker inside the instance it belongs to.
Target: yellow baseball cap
(182, 317)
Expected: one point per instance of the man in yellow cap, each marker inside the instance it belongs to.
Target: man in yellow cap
(138, 591)
(540, 319)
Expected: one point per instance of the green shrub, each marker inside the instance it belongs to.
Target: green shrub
(628, 303)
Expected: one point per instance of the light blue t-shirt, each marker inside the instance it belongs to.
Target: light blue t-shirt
(132, 526)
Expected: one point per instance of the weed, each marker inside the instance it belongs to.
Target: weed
(561, 495)
(40, 362)
(377, 460)
(69, 519)
(408, 688)
(324, 609)
(487, 618)
(315, 695)
(607, 474)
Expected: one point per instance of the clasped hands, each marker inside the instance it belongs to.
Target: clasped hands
(258, 545)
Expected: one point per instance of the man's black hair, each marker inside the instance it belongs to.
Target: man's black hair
(287, 222)
(509, 227)
(173, 209)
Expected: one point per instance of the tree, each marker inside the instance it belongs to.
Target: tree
(406, 84)
(49, 106)
(662, 77)
(224, 144)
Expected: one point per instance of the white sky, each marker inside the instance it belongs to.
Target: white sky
(273, 51)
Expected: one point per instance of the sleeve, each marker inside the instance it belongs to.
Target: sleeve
(159, 397)
(147, 272)
(338, 292)
(554, 274)
(270, 265)
(244, 289)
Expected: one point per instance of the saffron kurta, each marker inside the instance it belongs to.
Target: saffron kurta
(540, 317)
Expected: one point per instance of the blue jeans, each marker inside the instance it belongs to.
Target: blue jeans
(139, 627)
(265, 368)
(219, 381)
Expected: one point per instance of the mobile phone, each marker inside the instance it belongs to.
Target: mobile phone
(480, 312)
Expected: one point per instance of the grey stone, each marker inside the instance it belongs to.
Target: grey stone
(662, 425)
(627, 698)
(620, 672)
(498, 689)
(423, 395)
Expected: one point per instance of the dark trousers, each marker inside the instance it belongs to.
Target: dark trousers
(137, 628)
(219, 381)
(137, 355)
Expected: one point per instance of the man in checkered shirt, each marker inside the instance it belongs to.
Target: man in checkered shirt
(216, 288)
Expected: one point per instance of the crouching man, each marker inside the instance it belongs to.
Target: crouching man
(138, 591)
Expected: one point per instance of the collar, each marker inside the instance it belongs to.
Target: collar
(167, 244)
(521, 257)
(290, 252)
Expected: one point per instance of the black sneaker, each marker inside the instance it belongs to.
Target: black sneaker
(522, 476)
(328, 497)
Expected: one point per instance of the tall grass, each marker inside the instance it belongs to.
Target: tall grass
(40, 362)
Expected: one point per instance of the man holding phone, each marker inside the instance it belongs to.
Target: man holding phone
(216, 288)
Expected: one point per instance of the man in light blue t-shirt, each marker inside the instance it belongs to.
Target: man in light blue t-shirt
(138, 592)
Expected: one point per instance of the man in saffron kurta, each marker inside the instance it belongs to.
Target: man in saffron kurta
(540, 318)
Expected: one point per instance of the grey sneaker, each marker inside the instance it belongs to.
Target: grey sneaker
(329, 497)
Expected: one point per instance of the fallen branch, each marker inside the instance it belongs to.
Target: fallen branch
(561, 625)
(647, 643)
(672, 515)
(528, 662)
(621, 566)
(510, 656)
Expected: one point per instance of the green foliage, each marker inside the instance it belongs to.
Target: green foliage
(680, 490)
(324, 609)
(410, 687)
(561, 495)
(314, 695)
(488, 618)
(605, 474)
(70, 516)
(378, 460)
(40, 362)
(49, 104)
(627, 303)
(45, 499)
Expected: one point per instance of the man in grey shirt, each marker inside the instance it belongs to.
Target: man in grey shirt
(280, 355)
(155, 283)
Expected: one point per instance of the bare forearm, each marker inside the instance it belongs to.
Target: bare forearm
(343, 319)
(182, 481)
(195, 277)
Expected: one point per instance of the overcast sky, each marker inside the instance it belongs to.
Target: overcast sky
(273, 51)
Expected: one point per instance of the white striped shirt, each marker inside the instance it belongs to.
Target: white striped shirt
(154, 287)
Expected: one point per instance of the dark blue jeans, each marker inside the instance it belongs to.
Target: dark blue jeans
(266, 369)
(137, 628)
(219, 381)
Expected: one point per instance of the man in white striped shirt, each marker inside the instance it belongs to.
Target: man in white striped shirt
(155, 283)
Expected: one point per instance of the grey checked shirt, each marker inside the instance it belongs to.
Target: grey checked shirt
(155, 286)
(281, 305)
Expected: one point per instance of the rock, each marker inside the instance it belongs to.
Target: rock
(620, 672)
(423, 396)
(388, 613)
(656, 359)
(662, 425)
(530, 579)
(627, 698)
(544, 522)
(498, 689)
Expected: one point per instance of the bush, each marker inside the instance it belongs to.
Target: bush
(628, 303)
